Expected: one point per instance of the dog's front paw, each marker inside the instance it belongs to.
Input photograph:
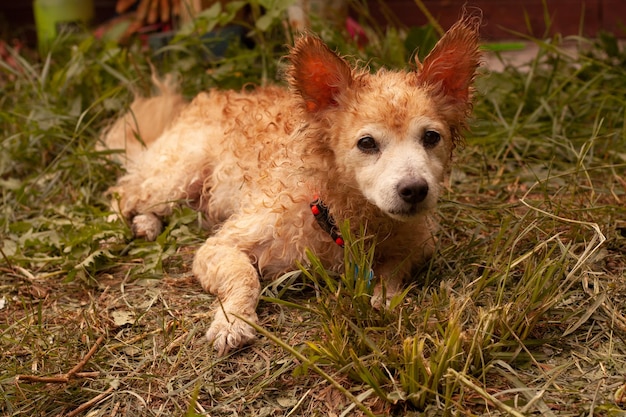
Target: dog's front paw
(230, 333)
(379, 302)
(147, 226)
(382, 299)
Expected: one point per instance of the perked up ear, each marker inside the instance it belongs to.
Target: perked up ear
(317, 74)
(451, 65)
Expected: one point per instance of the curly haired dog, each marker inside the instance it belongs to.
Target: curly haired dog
(369, 148)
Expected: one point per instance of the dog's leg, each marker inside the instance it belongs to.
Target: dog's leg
(393, 272)
(171, 170)
(227, 272)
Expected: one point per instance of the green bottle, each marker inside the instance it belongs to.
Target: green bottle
(53, 17)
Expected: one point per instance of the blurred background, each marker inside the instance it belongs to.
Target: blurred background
(502, 19)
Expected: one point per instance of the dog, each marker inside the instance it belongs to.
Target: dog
(276, 169)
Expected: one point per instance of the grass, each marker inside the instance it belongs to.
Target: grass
(519, 313)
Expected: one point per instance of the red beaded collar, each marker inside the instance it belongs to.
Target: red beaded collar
(326, 221)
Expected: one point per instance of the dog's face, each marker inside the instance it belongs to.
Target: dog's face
(392, 143)
(392, 133)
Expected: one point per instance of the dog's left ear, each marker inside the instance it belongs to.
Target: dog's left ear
(317, 74)
(451, 66)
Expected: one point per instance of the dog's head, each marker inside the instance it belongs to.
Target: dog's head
(391, 134)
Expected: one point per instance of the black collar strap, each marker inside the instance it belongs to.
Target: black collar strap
(326, 221)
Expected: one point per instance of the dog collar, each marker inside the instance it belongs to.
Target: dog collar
(326, 221)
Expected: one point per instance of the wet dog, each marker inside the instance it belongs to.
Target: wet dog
(276, 169)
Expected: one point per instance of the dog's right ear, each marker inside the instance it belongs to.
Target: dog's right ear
(317, 74)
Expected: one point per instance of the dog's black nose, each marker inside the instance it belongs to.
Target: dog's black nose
(413, 191)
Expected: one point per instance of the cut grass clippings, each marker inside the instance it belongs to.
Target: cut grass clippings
(519, 313)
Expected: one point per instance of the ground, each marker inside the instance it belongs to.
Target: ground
(520, 313)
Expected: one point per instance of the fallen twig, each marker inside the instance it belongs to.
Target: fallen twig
(73, 373)
(59, 379)
(89, 403)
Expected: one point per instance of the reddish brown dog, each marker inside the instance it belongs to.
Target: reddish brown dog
(375, 148)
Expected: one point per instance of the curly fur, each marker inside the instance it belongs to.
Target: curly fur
(252, 161)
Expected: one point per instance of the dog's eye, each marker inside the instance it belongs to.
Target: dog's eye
(431, 138)
(367, 144)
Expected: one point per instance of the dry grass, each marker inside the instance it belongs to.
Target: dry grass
(521, 312)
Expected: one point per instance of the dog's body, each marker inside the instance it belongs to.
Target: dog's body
(375, 148)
